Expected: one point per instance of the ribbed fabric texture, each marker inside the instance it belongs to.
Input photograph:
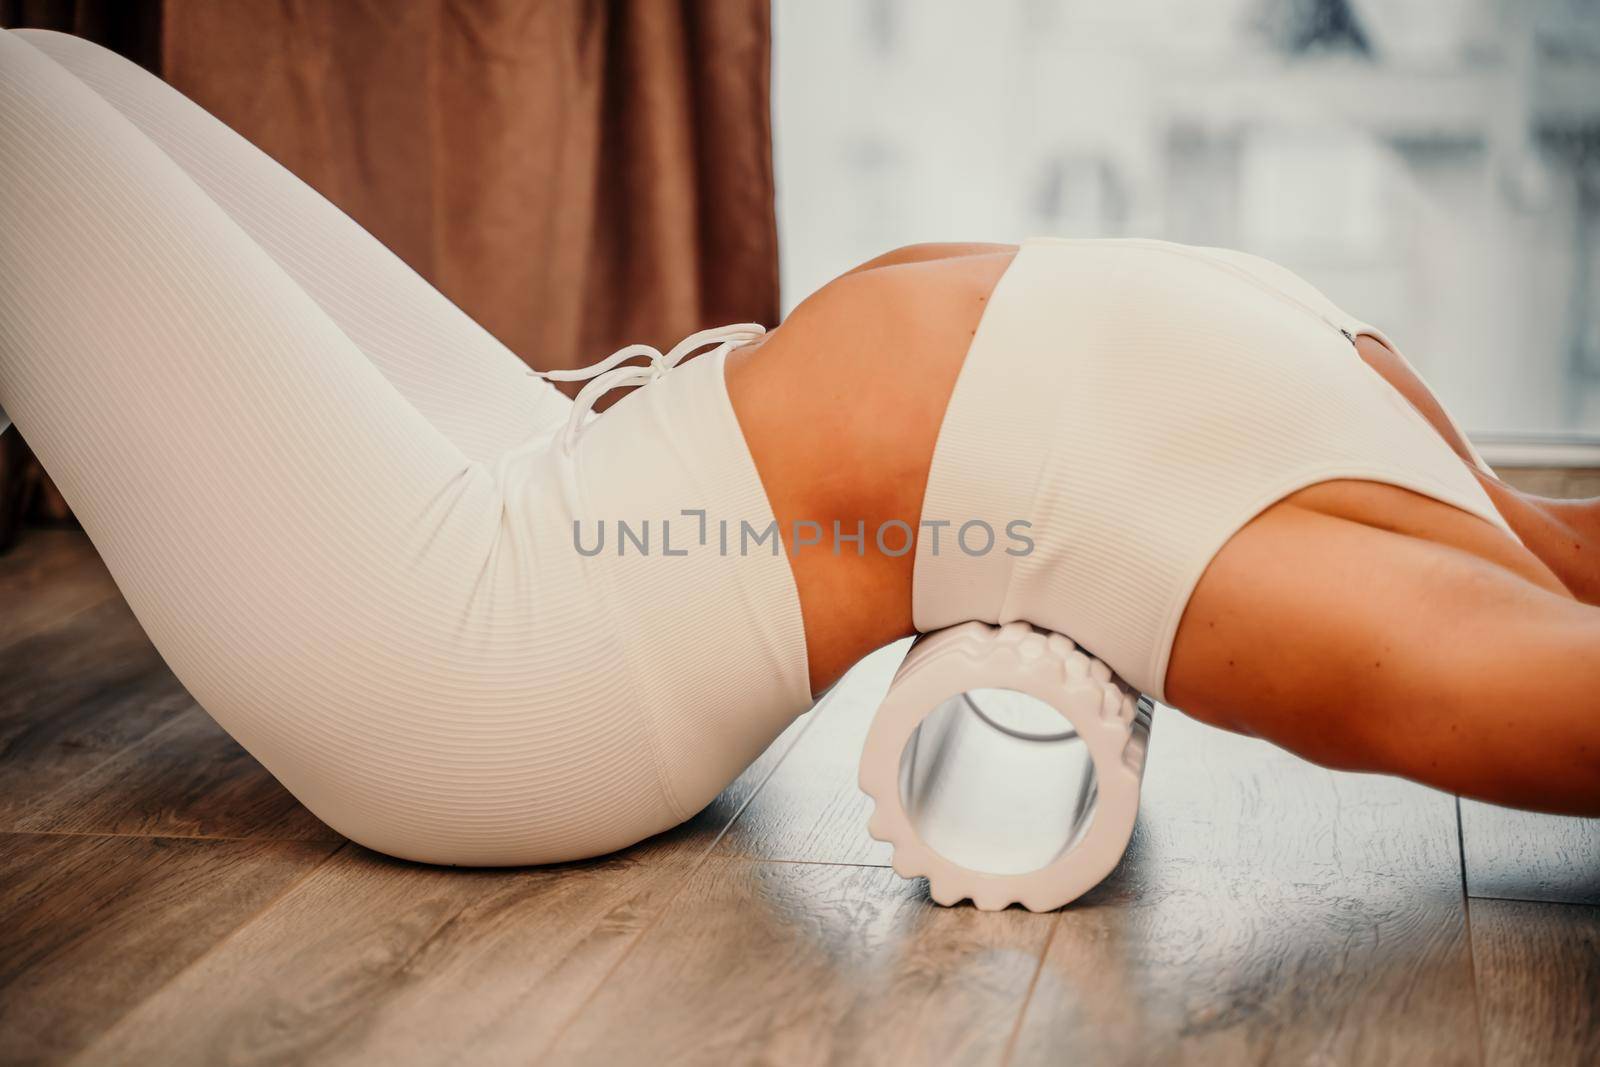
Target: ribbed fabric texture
(718, 649)
(1137, 402)
(472, 388)
(328, 498)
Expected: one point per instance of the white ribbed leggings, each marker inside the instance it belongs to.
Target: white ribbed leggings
(331, 500)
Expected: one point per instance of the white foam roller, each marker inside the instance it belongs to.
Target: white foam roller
(979, 765)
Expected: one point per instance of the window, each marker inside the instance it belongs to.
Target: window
(1433, 165)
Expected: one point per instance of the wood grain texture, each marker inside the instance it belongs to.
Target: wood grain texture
(805, 963)
(1266, 910)
(186, 779)
(376, 960)
(73, 697)
(93, 925)
(342, 969)
(1538, 982)
(1522, 855)
(46, 579)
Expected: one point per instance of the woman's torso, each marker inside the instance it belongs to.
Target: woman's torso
(842, 406)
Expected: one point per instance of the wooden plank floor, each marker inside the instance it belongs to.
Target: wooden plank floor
(165, 901)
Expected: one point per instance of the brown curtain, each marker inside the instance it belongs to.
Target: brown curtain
(575, 174)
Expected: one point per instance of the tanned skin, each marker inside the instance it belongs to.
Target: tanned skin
(1360, 625)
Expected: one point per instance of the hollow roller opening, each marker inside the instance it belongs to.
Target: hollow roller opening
(997, 781)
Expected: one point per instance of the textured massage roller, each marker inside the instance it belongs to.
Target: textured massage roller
(1004, 765)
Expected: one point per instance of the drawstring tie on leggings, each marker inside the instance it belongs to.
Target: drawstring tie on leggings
(614, 372)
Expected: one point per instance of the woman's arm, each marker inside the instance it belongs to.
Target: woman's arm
(1378, 649)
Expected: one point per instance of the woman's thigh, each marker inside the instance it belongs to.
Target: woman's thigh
(468, 385)
(1373, 648)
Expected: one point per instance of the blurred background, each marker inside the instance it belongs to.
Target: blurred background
(582, 174)
(1433, 165)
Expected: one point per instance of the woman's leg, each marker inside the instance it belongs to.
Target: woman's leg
(1378, 650)
(369, 611)
(467, 384)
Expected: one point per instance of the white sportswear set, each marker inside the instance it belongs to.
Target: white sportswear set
(344, 513)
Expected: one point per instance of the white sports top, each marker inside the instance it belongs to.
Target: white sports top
(1138, 401)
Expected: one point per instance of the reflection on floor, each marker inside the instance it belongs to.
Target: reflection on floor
(165, 901)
